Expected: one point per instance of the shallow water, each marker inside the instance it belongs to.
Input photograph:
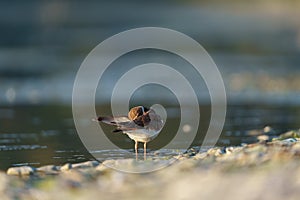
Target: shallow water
(40, 135)
(255, 49)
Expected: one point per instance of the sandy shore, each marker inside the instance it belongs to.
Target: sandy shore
(264, 170)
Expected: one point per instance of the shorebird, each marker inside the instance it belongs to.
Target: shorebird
(141, 125)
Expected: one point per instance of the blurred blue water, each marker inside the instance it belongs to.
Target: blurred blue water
(43, 44)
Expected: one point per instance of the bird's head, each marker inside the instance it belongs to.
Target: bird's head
(136, 112)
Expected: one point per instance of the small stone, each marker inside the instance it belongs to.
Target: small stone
(220, 151)
(192, 151)
(268, 129)
(102, 167)
(21, 171)
(200, 156)
(212, 151)
(216, 151)
(254, 132)
(87, 164)
(289, 134)
(48, 169)
(180, 157)
(244, 144)
(288, 141)
(229, 150)
(263, 138)
(66, 167)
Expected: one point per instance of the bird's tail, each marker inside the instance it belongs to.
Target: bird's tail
(106, 120)
(112, 120)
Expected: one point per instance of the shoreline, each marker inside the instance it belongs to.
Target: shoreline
(262, 170)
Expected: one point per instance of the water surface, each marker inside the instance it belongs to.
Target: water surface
(45, 134)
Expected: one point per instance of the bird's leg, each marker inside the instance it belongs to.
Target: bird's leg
(136, 149)
(136, 146)
(145, 147)
(145, 150)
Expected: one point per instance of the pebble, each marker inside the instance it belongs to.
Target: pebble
(229, 150)
(66, 167)
(254, 132)
(48, 169)
(263, 138)
(102, 168)
(257, 132)
(289, 134)
(213, 151)
(288, 141)
(87, 164)
(200, 156)
(220, 151)
(268, 129)
(21, 171)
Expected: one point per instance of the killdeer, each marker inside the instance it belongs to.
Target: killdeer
(141, 125)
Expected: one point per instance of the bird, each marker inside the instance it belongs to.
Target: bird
(141, 125)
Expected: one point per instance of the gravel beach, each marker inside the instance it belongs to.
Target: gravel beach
(263, 170)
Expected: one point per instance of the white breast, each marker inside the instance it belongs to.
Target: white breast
(142, 135)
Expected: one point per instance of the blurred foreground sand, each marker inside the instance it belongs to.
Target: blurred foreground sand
(265, 170)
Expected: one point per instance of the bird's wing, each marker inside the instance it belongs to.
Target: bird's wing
(127, 126)
(121, 122)
(114, 120)
(155, 122)
(149, 120)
